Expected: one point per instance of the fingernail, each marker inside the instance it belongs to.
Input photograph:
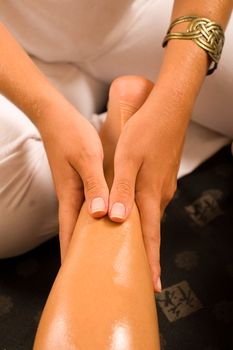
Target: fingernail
(118, 211)
(158, 285)
(97, 205)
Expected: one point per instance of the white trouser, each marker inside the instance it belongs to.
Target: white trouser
(28, 203)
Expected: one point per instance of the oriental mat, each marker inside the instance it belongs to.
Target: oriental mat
(195, 308)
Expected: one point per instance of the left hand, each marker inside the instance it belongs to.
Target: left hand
(146, 163)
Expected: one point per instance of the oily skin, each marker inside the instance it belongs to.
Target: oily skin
(145, 171)
(103, 295)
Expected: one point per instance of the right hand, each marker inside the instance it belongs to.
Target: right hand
(75, 156)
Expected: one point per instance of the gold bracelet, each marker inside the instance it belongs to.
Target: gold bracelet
(205, 33)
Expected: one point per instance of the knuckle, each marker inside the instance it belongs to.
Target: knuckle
(124, 188)
(92, 184)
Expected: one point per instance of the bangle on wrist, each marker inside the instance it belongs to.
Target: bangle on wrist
(205, 33)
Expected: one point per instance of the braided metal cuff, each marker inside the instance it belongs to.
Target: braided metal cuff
(205, 33)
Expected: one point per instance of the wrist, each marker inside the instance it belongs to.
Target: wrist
(166, 113)
(171, 97)
(49, 108)
(183, 69)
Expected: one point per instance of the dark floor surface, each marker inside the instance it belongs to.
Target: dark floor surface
(196, 306)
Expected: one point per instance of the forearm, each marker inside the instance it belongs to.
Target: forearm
(22, 82)
(185, 64)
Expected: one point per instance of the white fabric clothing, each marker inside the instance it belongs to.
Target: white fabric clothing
(28, 203)
(81, 46)
(107, 39)
(27, 196)
(69, 30)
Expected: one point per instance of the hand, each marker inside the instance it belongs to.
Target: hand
(146, 164)
(75, 155)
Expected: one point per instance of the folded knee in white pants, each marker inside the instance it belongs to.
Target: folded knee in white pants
(28, 203)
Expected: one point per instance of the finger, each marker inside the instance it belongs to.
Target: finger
(149, 209)
(95, 188)
(123, 188)
(70, 202)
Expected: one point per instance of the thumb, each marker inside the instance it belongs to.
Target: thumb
(123, 190)
(95, 189)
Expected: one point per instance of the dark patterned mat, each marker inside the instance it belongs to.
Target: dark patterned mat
(196, 306)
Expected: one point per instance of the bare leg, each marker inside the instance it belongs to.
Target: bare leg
(103, 296)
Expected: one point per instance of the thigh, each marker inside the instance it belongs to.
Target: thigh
(139, 51)
(28, 203)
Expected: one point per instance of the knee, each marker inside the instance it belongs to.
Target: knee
(130, 88)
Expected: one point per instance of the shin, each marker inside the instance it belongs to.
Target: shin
(103, 296)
